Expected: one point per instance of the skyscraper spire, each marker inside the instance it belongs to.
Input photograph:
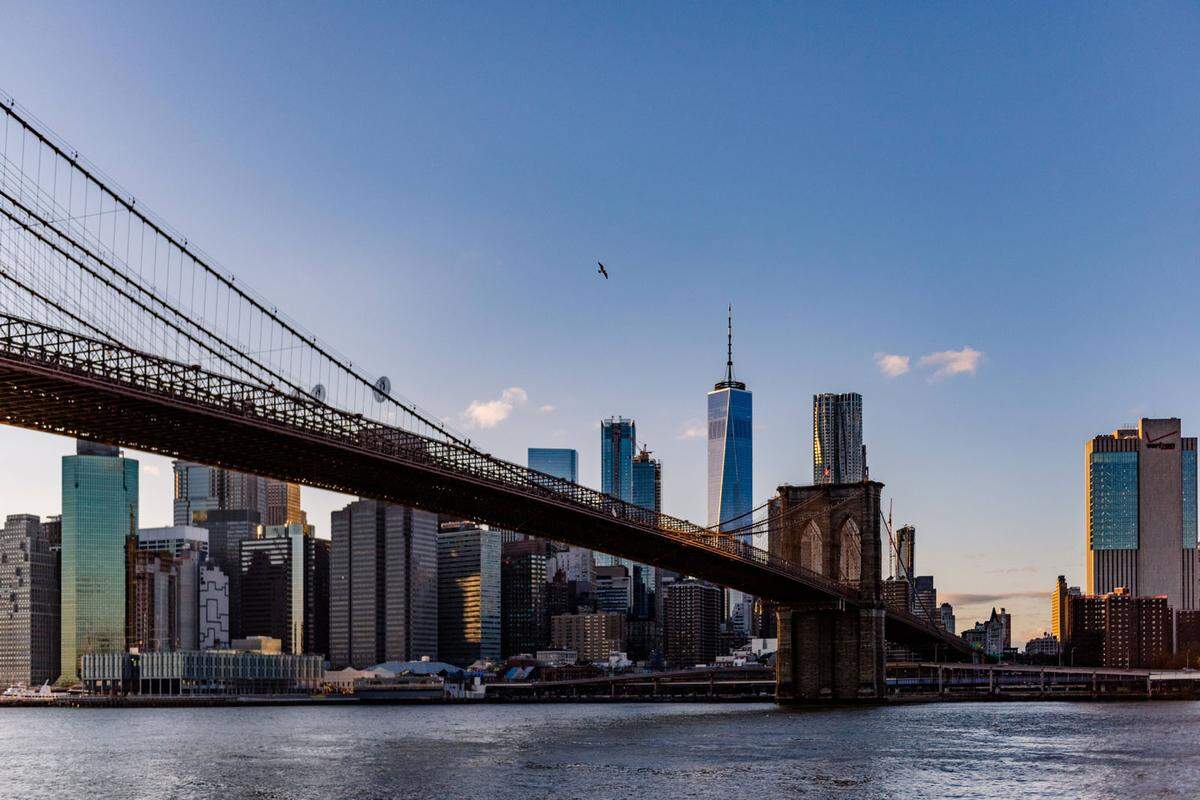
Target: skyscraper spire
(729, 382)
(729, 362)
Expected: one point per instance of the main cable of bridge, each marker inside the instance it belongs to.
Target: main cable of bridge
(43, 170)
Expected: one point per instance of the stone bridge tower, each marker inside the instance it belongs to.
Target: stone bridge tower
(831, 649)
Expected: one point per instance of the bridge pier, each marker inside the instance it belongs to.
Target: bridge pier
(831, 649)
(829, 652)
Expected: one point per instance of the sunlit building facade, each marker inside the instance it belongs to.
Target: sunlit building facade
(99, 517)
(469, 623)
(838, 455)
(1141, 513)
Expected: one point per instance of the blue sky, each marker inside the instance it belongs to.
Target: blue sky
(428, 189)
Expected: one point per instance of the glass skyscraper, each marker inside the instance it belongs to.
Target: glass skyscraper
(647, 481)
(730, 450)
(99, 513)
(560, 462)
(838, 455)
(731, 464)
(1141, 513)
(468, 570)
(618, 438)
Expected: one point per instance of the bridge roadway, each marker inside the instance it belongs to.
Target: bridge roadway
(68, 384)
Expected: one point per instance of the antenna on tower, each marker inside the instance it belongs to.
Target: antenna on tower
(729, 382)
(729, 362)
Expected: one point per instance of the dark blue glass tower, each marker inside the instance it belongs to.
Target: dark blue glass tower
(730, 449)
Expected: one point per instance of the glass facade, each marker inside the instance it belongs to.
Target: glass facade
(617, 437)
(647, 482)
(1113, 500)
(468, 594)
(99, 512)
(617, 448)
(560, 462)
(730, 457)
(1189, 499)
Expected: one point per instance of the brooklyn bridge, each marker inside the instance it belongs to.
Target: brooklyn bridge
(115, 328)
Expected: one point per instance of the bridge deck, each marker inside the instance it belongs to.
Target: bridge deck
(61, 382)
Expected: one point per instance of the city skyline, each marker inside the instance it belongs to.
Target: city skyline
(1064, 231)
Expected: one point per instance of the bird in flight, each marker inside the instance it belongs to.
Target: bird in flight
(602, 271)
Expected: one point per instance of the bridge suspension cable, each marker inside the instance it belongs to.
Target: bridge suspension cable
(85, 255)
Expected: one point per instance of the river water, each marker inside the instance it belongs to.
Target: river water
(651, 752)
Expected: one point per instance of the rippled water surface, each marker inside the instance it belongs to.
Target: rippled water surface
(1054, 750)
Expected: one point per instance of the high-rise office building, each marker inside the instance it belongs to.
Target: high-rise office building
(903, 557)
(647, 481)
(1060, 608)
(175, 540)
(730, 449)
(647, 493)
(590, 636)
(167, 583)
(838, 453)
(283, 503)
(227, 529)
(28, 587)
(946, 617)
(52, 531)
(618, 438)
(731, 466)
(214, 608)
(199, 487)
(384, 584)
(614, 589)
(617, 446)
(576, 562)
(99, 519)
(560, 462)
(924, 598)
(468, 593)
(525, 621)
(693, 610)
(272, 586)
(317, 576)
(1141, 513)
(1118, 629)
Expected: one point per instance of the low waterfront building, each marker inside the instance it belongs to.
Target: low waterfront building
(993, 636)
(1044, 646)
(202, 672)
(556, 658)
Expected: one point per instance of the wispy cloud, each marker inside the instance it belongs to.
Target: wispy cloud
(952, 362)
(694, 431)
(547, 409)
(967, 598)
(490, 413)
(891, 365)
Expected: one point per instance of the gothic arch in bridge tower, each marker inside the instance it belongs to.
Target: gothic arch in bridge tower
(811, 551)
(850, 552)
